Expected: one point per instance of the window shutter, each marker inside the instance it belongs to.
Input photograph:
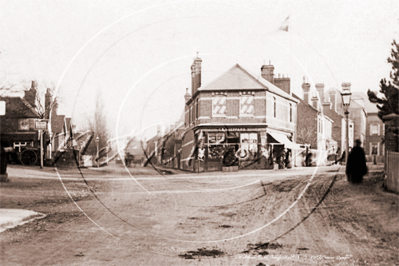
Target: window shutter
(378, 130)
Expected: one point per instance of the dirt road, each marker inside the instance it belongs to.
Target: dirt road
(214, 222)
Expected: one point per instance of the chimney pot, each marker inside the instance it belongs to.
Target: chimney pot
(267, 72)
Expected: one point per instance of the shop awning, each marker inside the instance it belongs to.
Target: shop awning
(284, 140)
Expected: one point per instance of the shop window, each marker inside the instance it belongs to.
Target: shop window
(215, 145)
(219, 105)
(247, 105)
(249, 142)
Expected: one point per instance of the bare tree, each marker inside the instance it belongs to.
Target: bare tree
(98, 124)
(306, 135)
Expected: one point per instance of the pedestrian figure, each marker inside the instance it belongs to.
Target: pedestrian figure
(336, 155)
(356, 166)
(308, 160)
(374, 152)
(3, 165)
(288, 159)
(127, 159)
(342, 159)
(282, 159)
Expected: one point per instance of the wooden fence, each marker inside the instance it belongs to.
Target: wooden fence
(392, 171)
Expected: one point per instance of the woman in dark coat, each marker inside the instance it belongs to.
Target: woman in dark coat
(356, 167)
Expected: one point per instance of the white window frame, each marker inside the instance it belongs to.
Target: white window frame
(372, 131)
(253, 105)
(225, 105)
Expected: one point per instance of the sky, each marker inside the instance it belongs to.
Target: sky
(137, 54)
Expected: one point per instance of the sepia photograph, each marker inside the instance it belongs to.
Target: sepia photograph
(199, 132)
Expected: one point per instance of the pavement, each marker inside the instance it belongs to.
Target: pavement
(10, 218)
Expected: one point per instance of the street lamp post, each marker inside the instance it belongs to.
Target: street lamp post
(97, 142)
(346, 99)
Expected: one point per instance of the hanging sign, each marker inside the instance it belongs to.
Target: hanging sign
(41, 124)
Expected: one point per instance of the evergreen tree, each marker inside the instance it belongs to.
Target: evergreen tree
(389, 102)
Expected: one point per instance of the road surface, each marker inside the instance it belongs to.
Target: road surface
(289, 217)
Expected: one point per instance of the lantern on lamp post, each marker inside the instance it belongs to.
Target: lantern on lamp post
(346, 100)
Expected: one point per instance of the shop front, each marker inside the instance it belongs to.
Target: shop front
(230, 146)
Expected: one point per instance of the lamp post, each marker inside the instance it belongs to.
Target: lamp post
(346, 100)
(97, 142)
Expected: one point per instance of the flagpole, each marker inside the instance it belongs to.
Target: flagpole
(290, 32)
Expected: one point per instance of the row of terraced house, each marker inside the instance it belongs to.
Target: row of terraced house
(256, 117)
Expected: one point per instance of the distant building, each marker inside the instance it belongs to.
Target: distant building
(167, 144)
(17, 126)
(373, 143)
(314, 127)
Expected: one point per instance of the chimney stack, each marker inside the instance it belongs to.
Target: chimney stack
(320, 91)
(267, 72)
(315, 102)
(306, 89)
(196, 75)
(30, 95)
(47, 103)
(333, 99)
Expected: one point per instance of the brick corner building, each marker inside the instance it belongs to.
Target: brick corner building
(240, 113)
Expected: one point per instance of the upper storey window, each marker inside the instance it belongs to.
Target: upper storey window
(247, 105)
(219, 105)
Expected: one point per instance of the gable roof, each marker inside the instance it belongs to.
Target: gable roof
(303, 102)
(18, 107)
(239, 78)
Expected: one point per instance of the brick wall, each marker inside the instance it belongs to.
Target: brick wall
(232, 107)
(283, 83)
(373, 119)
(307, 124)
(205, 107)
(186, 150)
(391, 139)
(260, 107)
